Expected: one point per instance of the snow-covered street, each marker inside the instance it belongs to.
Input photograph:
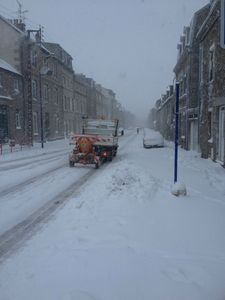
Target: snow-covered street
(122, 235)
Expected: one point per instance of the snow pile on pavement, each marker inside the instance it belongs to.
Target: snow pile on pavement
(125, 237)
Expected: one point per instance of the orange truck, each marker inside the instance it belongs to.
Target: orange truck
(97, 144)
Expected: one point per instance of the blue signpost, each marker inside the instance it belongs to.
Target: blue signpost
(222, 24)
(176, 131)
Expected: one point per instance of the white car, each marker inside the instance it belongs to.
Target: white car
(152, 140)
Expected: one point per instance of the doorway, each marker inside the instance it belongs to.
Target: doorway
(4, 130)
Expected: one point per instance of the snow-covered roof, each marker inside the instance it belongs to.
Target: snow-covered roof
(4, 65)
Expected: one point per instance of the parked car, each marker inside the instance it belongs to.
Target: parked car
(152, 139)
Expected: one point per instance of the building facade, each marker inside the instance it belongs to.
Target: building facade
(200, 72)
(187, 74)
(41, 97)
(212, 90)
(11, 103)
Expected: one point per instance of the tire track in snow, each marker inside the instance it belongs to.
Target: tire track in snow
(15, 237)
(29, 181)
(25, 164)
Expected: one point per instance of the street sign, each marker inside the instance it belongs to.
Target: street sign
(222, 24)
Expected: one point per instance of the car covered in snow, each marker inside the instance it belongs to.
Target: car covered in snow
(152, 139)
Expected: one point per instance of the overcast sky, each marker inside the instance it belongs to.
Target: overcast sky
(128, 46)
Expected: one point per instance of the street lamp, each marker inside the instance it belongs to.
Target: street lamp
(43, 72)
(84, 117)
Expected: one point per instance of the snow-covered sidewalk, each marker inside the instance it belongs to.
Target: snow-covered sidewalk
(126, 237)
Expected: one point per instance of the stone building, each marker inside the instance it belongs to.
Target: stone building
(212, 89)
(80, 96)
(187, 74)
(108, 99)
(41, 93)
(201, 73)
(11, 80)
(43, 90)
(165, 114)
(41, 96)
(162, 117)
(99, 101)
(11, 103)
(65, 75)
(89, 84)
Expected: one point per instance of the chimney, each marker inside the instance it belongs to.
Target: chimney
(19, 24)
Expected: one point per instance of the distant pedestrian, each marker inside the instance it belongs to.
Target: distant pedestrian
(137, 130)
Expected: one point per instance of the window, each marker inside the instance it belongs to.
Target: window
(64, 103)
(201, 65)
(64, 81)
(56, 123)
(18, 120)
(68, 104)
(46, 93)
(47, 124)
(34, 89)
(56, 96)
(34, 58)
(185, 84)
(35, 123)
(71, 103)
(211, 63)
(16, 85)
(209, 124)
(53, 68)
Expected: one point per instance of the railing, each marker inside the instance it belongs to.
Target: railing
(14, 145)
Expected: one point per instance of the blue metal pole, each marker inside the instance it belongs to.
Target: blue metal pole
(176, 131)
